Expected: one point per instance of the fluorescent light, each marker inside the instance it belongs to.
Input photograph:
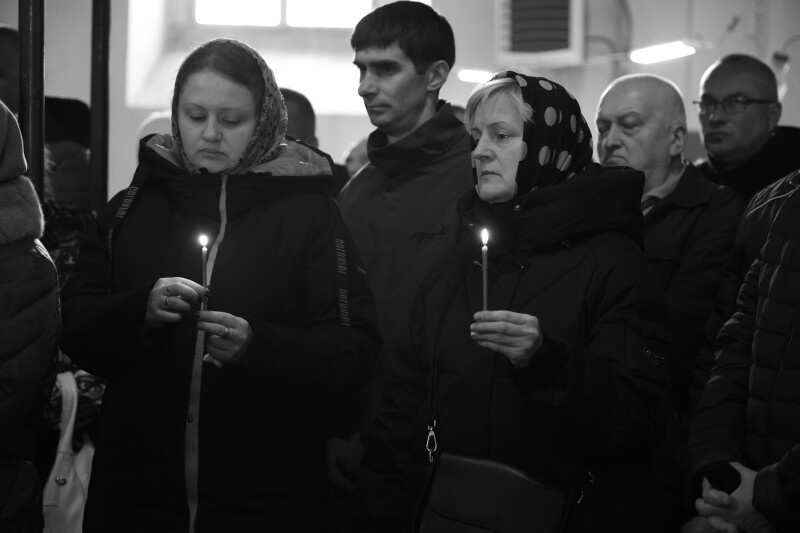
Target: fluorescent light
(474, 76)
(662, 52)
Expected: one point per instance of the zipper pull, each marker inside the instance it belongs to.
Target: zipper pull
(430, 444)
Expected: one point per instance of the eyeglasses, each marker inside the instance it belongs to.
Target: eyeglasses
(732, 105)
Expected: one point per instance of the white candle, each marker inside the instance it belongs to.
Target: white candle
(204, 242)
(485, 267)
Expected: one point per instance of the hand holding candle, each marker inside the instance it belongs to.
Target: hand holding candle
(485, 267)
(204, 242)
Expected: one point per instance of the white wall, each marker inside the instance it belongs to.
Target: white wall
(765, 25)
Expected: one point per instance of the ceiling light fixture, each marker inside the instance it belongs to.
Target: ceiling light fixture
(676, 49)
(474, 76)
(662, 52)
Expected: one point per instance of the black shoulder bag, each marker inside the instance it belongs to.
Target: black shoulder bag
(471, 495)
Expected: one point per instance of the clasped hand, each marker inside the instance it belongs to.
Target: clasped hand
(515, 335)
(171, 299)
(734, 512)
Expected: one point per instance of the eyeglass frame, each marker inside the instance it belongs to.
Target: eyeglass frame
(711, 104)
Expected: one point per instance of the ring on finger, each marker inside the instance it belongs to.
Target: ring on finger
(226, 333)
(166, 302)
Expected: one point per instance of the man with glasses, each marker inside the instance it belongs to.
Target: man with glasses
(739, 113)
(747, 151)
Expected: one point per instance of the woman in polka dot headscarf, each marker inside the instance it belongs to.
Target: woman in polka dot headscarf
(557, 138)
(559, 369)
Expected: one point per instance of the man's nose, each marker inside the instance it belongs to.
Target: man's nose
(609, 140)
(366, 86)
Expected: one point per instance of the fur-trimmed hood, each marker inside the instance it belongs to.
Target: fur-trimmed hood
(20, 213)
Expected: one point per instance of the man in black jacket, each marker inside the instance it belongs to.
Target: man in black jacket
(739, 113)
(689, 229)
(690, 223)
(744, 443)
(401, 207)
(747, 151)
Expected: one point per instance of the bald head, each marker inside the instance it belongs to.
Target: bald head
(759, 73)
(656, 95)
(641, 123)
(733, 137)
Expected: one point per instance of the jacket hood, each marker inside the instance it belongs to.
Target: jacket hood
(292, 158)
(12, 157)
(597, 200)
(20, 213)
(429, 141)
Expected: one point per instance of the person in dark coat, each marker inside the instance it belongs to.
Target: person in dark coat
(29, 328)
(746, 423)
(567, 371)
(689, 229)
(220, 395)
(401, 207)
(739, 113)
(689, 223)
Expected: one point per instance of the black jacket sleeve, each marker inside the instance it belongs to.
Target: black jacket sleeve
(717, 425)
(776, 493)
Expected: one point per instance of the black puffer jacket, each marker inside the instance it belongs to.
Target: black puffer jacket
(286, 264)
(750, 408)
(29, 327)
(595, 395)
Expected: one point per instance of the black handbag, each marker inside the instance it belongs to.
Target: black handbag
(477, 495)
(471, 495)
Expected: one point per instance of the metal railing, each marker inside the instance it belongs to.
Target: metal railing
(31, 80)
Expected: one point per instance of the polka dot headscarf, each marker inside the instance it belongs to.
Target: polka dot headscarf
(559, 140)
(271, 127)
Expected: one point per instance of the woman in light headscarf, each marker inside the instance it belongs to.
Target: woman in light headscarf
(219, 397)
(565, 373)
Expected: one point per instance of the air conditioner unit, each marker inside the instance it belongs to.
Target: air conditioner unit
(539, 33)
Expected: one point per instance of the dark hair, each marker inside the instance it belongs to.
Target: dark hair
(302, 119)
(226, 59)
(422, 34)
(9, 34)
(753, 65)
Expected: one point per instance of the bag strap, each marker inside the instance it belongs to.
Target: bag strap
(431, 443)
(69, 409)
(139, 177)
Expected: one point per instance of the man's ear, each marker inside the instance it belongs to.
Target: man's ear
(677, 139)
(437, 75)
(774, 115)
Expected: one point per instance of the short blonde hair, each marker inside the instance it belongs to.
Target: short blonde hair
(493, 88)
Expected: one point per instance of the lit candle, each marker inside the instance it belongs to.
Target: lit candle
(204, 242)
(485, 267)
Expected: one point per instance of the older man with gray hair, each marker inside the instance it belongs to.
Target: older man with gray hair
(690, 223)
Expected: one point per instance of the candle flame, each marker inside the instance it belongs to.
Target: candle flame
(485, 236)
(203, 240)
